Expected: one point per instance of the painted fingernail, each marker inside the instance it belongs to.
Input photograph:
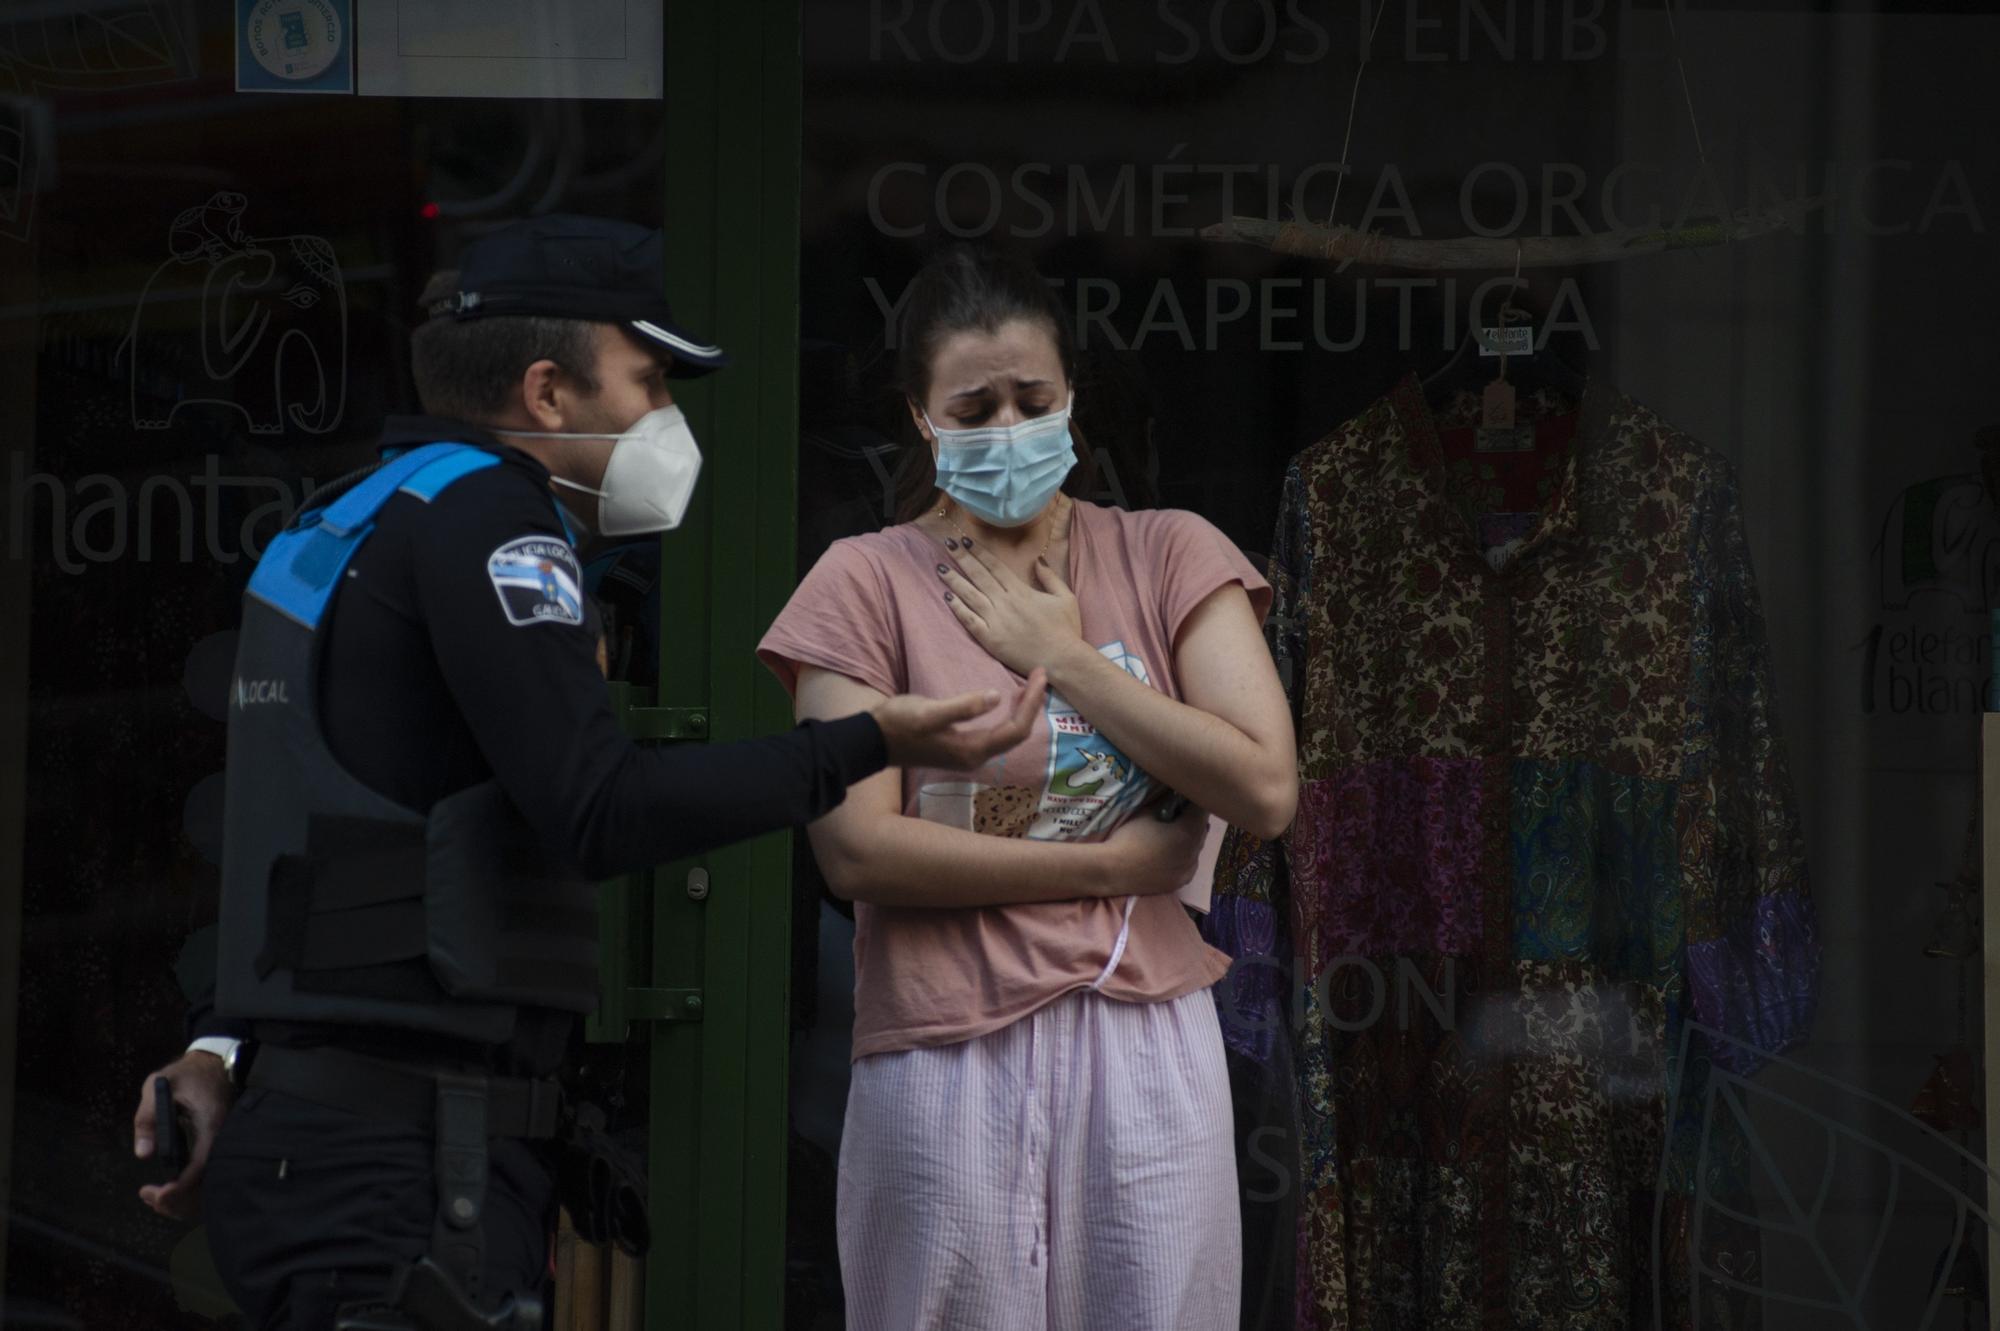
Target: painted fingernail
(942, 570)
(950, 543)
(968, 542)
(947, 596)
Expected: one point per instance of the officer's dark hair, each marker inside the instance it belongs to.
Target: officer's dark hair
(472, 368)
(964, 288)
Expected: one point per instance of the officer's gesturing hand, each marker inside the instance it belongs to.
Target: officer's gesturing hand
(201, 1087)
(926, 732)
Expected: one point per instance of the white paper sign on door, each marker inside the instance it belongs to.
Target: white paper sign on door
(510, 48)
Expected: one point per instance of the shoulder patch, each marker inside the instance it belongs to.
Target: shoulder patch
(537, 580)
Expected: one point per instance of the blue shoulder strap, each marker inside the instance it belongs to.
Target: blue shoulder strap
(427, 485)
(299, 571)
(447, 474)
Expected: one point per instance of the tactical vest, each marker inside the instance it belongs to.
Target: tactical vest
(330, 890)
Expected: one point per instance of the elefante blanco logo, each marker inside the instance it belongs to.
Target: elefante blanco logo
(294, 39)
(252, 692)
(1937, 567)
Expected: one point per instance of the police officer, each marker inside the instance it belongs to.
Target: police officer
(425, 778)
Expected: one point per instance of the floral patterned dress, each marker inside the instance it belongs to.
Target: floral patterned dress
(1546, 885)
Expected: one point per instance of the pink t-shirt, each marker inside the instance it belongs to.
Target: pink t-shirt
(873, 609)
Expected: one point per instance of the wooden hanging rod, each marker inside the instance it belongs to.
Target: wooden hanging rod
(1346, 245)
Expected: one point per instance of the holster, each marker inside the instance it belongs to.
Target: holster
(603, 1185)
(458, 1243)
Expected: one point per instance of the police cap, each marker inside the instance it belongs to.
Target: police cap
(568, 267)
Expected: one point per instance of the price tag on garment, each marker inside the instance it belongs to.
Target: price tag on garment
(1516, 341)
(1496, 406)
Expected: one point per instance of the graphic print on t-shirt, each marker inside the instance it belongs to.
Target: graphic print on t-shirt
(1091, 785)
(1085, 787)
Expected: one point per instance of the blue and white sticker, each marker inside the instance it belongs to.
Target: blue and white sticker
(294, 46)
(537, 580)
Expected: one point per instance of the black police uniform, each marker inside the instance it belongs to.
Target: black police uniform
(425, 778)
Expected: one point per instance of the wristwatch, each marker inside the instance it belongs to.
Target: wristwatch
(236, 1063)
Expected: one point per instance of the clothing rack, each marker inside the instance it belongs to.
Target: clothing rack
(1344, 245)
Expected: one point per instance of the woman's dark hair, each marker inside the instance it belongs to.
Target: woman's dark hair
(971, 288)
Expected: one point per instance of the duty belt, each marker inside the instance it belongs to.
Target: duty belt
(406, 1093)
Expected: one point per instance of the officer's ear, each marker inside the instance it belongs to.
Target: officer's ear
(543, 387)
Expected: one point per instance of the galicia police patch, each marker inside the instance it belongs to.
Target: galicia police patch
(538, 581)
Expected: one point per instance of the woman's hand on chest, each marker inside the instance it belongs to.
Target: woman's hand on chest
(1022, 625)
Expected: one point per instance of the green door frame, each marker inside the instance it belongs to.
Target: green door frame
(716, 986)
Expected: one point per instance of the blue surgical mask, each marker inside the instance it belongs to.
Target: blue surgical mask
(1006, 474)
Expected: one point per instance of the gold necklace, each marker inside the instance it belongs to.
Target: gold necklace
(944, 511)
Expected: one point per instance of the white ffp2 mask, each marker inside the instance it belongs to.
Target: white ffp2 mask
(650, 477)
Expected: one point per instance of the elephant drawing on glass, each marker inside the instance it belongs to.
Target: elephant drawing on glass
(1941, 536)
(256, 323)
(24, 136)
